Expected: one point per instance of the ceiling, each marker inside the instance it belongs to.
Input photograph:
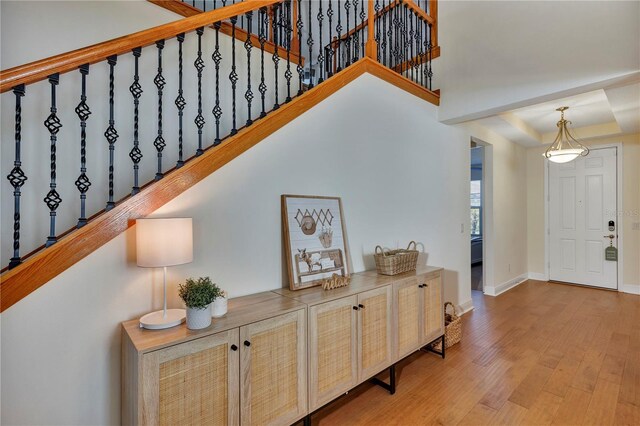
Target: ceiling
(600, 113)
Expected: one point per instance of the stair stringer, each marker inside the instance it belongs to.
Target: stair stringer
(40, 268)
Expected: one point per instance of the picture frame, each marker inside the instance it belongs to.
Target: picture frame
(315, 239)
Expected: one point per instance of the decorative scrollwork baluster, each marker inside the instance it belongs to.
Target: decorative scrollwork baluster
(288, 31)
(377, 22)
(275, 57)
(53, 124)
(233, 76)
(310, 45)
(363, 16)
(217, 110)
(330, 54)
(299, 67)
(136, 91)
(160, 82)
(199, 66)
(248, 95)
(321, 58)
(83, 112)
(263, 23)
(347, 38)
(16, 177)
(181, 103)
(338, 40)
(111, 134)
(430, 55)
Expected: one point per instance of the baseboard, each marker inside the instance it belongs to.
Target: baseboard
(465, 307)
(495, 291)
(631, 289)
(537, 276)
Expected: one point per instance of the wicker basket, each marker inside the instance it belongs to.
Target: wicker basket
(452, 329)
(394, 262)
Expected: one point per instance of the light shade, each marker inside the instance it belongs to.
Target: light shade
(164, 242)
(565, 147)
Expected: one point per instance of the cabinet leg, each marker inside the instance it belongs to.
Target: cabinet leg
(306, 421)
(428, 348)
(391, 386)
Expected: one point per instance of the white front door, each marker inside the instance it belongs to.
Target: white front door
(582, 201)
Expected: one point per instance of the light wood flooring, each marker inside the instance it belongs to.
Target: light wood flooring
(539, 354)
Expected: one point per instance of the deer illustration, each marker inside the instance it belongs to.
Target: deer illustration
(307, 258)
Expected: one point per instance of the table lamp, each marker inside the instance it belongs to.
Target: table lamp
(161, 243)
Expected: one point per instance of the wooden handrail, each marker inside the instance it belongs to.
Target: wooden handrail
(186, 10)
(43, 266)
(410, 4)
(65, 62)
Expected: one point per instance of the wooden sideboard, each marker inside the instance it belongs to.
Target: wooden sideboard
(278, 356)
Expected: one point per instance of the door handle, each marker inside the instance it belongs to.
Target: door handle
(234, 348)
(247, 343)
(361, 306)
(610, 236)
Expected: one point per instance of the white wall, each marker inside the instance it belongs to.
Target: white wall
(499, 55)
(505, 236)
(630, 250)
(372, 144)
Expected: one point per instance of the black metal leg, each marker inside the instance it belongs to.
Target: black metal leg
(428, 347)
(391, 386)
(307, 420)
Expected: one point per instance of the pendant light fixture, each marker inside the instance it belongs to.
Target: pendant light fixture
(565, 147)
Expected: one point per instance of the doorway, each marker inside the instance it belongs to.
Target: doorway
(476, 223)
(583, 198)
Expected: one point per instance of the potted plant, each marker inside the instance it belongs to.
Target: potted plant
(197, 295)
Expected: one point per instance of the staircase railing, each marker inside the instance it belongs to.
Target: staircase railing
(157, 110)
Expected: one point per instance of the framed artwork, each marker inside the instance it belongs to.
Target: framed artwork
(314, 238)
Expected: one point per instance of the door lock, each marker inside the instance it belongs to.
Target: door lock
(610, 236)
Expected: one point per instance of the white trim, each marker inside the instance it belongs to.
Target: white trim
(538, 276)
(620, 228)
(631, 289)
(498, 290)
(465, 307)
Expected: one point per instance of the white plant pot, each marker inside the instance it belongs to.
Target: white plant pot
(198, 318)
(219, 307)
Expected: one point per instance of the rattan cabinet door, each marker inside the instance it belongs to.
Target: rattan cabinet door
(195, 382)
(433, 314)
(407, 308)
(333, 350)
(374, 331)
(273, 370)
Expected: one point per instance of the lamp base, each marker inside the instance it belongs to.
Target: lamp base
(158, 321)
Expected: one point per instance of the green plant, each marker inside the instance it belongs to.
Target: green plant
(199, 293)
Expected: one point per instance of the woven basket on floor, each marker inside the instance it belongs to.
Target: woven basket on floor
(452, 329)
(394, 262)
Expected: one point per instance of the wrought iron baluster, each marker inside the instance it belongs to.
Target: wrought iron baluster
(390, 34)
(217, 110)
(383, 34)
(288, 31)
(355, 41)
(53, 124)
(422, 52)
(275, 57)
(263, 23)
(310, 45)
(416, 42)
(233, 76)
(320, 17)
(430, 54)
(83, 112)
(16, 177)
(396, 28)
(363, 15)
(199, 66)
(339, 37)
(181, 103)
(330, 52)
(248, 95)
(111, 134)
(376, 9)
(160, 82)
(136, 91)
(405, 36)
(299, 67)
(347, 37)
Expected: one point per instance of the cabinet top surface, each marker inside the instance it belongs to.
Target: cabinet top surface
(241, 311)
(360, 282)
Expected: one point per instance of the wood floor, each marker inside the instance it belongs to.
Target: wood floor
(539, 354)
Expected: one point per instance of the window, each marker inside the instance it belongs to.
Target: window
(476, 208)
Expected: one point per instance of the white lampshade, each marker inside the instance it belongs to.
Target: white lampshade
(164, 242)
